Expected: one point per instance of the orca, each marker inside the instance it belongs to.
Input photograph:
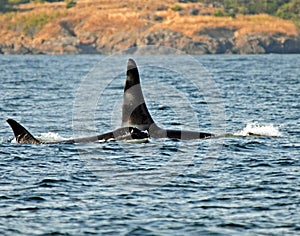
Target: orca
(22, 135)
(136, 114)
(137, 122)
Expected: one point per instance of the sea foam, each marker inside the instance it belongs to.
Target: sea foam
(255, 128)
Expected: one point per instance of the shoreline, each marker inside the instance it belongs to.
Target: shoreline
(247, 44)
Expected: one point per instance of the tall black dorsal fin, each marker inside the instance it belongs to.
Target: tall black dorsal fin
(21, 134)
(134, 111)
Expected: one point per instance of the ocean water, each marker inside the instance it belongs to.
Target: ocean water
(245, 182)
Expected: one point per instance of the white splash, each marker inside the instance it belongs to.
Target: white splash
(50, 137)
(14, 140)
(268, 130)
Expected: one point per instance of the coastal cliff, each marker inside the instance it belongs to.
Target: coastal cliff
(105, 28)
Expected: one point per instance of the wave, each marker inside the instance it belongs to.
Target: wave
(50, 137)
(256, 129)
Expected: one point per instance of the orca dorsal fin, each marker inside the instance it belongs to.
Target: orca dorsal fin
(22, 135)
(134, 110)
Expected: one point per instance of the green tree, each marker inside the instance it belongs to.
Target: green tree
(3, 5)
(219, 13)
(290, 11)
(176, 8)
(70, 3)
(16, 2)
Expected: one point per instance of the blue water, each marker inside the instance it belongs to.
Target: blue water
(237, 185)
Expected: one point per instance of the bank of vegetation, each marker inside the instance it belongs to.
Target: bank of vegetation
(194, 26)
(285, 9)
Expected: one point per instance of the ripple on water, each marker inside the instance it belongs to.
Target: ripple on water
(163, 187)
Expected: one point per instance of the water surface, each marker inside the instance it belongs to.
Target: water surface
(227, 186)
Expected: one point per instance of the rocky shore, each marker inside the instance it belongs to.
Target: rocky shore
(217, 41)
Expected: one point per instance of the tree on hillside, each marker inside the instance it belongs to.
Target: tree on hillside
(254, 6)
(3, 5)
(290, 11)
(8, 5)
(249, 6)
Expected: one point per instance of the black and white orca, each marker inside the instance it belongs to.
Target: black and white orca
(136, 114)
(137, 122)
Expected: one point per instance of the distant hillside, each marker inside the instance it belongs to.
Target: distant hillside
(101, 26)
(285, 9)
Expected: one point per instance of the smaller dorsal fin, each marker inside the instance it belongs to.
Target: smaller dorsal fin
(22, 135)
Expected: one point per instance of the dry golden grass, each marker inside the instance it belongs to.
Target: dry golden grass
(265, 24)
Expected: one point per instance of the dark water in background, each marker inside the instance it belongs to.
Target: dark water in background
(250, 186)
